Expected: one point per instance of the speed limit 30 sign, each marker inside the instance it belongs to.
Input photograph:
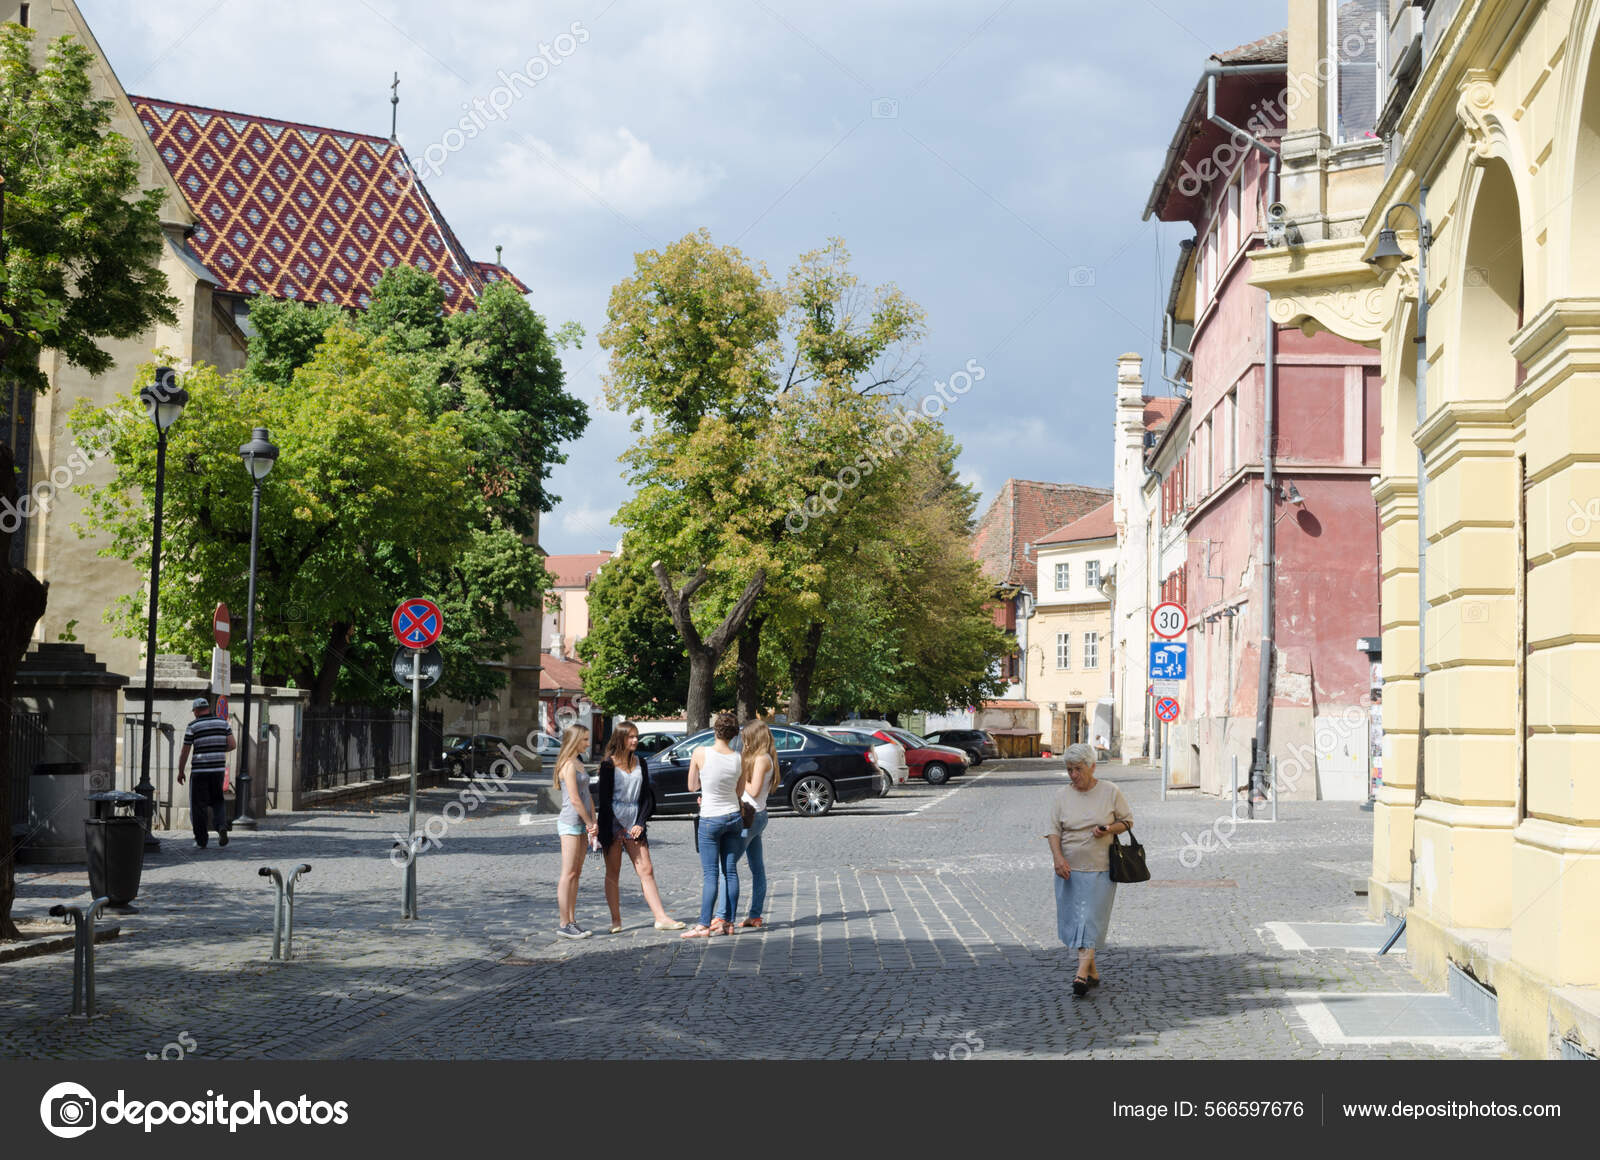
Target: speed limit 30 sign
(1168, 620)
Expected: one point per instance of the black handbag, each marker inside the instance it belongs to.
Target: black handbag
(1127, 862)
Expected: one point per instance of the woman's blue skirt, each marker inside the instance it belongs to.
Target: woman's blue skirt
(1083, 907)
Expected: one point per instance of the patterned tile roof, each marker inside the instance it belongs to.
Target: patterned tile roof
(302, 212)
(489, 272)
(570, 571)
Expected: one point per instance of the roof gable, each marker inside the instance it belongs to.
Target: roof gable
(1020, 516)
(303, 212)
(1099, 524)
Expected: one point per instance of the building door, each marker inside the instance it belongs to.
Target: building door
(1074, 726)
(1058, 733)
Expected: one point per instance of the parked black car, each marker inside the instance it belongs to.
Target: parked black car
(975, 743)
(656, 740)
(463, 754)
(817, 771)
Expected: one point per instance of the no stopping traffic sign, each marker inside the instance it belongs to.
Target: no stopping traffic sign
(417, 623)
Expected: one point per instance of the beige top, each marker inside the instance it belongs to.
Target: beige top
(1075, 814)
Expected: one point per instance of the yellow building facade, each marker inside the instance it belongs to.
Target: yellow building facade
(1069, 649)
(1487, 829)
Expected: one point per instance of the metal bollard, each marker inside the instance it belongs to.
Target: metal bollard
(283, 908)
(1274, 789)
(1234, 790)
(82, 919)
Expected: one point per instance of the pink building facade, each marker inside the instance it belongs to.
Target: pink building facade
(1324, 458)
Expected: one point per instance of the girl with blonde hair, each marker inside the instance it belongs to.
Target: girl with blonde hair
(577, 826)
(759, 776)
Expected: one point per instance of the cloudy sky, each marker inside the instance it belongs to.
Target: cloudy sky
(991, 158)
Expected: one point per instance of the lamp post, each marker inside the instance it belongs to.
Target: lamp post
(259, 455)
(163, 401)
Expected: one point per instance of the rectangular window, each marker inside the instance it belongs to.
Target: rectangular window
(1063, 577)
(1063, 650)
(1091, 574)
(1233, 430)
(1091, 650)
(1359, 31)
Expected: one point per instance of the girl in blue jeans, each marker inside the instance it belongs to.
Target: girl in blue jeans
(759, 776)
(715, 771)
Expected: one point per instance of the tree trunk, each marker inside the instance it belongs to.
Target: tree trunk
(801, 672)
(704, 653)
(748, 707)
(702, 673)
(22, 603)
(332, 663)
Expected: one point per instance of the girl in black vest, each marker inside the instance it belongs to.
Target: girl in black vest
(624, 802)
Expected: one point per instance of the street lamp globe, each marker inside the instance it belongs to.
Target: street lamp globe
(164, 400)
(1388, 255)
(259, 454)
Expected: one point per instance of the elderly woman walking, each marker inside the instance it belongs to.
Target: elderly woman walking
(1083, 820)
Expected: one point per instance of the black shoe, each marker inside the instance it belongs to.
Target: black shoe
(201, 842)
(1080, 986)
(222, 838)
(1094, 981)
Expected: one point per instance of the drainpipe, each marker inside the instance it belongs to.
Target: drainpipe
(1269, 381)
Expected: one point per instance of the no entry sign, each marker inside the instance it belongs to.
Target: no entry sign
(1167, 709)
(417, 623)
(221, 626)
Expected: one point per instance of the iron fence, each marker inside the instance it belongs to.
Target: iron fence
(26, 750)
(344, 744)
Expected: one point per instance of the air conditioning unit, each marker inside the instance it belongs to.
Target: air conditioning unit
(1405, 41)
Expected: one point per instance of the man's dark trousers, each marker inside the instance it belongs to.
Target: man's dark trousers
(206, 804)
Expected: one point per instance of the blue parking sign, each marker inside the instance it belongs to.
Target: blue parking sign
(1169, 661)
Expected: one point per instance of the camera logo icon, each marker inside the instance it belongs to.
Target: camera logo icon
(68, 1110)
(885, 108)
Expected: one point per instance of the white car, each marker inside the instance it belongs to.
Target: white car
(890, 756)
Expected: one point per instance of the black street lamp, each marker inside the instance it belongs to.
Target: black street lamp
(259, 455)
(163, 401)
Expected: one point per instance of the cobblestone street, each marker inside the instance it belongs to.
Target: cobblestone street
(916, 926)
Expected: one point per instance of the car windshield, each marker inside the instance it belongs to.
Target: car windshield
(454, 740)
(911, 739)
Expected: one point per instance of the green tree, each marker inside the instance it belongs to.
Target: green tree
(488, 382)
(368, 487)
(80, 253)
(634, 659)
(693, 336)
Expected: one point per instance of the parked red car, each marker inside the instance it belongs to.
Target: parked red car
(935, 764)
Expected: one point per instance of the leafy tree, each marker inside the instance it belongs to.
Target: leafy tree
(368, 486)
(693, 335)
(80, 253)
(634, 659)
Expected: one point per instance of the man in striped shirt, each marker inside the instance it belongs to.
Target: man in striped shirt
(210, 740)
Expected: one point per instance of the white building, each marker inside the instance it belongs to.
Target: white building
(1150, 435)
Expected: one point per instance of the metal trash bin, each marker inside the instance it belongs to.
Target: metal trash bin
(114, 837)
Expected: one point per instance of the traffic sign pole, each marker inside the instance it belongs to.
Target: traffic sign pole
(1166, 761)
(409, 900)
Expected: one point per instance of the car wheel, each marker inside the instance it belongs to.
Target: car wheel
(974, 757)
(456, 768)
(888, 784)
(935, 773)
(812, 796)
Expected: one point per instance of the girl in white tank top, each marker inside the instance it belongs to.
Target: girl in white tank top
(719, 780)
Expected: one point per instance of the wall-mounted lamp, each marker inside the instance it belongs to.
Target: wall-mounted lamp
(1291, 494)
